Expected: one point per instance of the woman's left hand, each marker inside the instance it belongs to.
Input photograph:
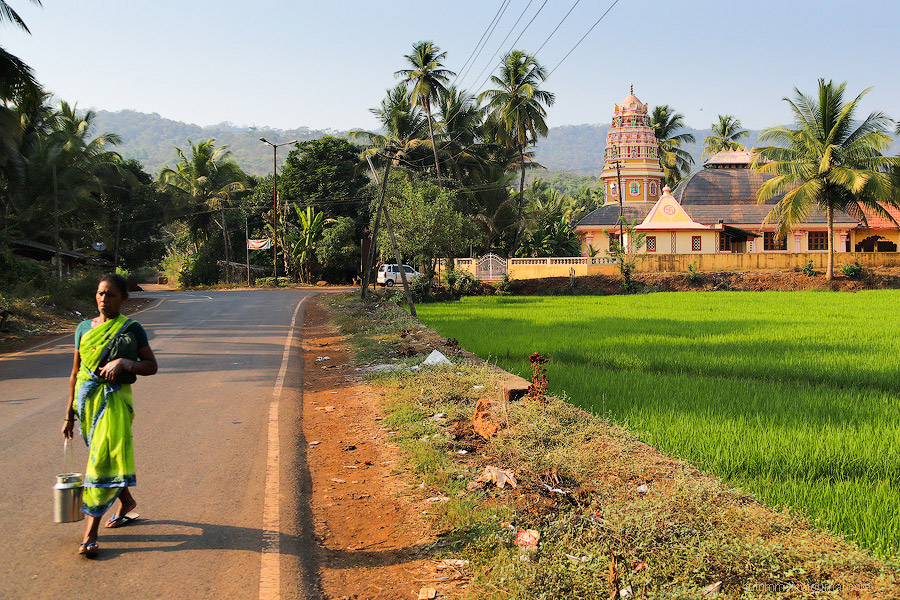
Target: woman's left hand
(111, 369)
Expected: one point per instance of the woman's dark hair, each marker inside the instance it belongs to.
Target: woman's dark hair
(118, 281)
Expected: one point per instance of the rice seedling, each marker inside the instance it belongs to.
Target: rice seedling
(790, 395)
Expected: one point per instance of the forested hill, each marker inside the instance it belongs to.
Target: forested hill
(151, 139)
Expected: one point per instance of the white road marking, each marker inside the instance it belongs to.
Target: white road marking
(65, 335)
(270, 558)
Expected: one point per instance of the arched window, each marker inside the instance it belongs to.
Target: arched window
(652, 188)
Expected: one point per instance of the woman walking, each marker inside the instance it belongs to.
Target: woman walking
(110, 351)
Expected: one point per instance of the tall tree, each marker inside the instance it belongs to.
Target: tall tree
(725, 136)
(675, 162)
(517, 105)
(403, 128)
(827, 160)
(207, 180)
(426, 80)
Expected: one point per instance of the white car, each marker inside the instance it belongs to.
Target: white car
(388, 275)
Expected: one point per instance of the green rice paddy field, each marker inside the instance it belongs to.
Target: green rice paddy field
(792, 396)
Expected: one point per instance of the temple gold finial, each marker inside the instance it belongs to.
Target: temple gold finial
(632, 89)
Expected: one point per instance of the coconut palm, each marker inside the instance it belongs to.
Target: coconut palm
(402, 124)
(206, 180)
(675, 162)
(517, 107)
(725, 136)
(426, 81)
(827, 160)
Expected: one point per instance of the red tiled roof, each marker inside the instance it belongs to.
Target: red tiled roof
(877, 221)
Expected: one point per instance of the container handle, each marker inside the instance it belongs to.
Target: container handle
(67, 456)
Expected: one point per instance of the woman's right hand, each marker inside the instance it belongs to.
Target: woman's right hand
(67, 429)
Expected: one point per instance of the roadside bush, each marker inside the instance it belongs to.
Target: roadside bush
(270, 281)
(692, 271)
(506, 286)
(420, 289)
(851, 270)
(808, 269)
(199, 269)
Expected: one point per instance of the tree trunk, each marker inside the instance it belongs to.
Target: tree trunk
(829, 272)
(437, 164)
(225, 240)
(520, 227)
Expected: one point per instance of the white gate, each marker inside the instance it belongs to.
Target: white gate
(490, 267)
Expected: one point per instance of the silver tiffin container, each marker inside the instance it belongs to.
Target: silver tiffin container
(67, 498)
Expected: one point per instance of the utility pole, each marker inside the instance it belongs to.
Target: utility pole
(367, 268)
(118, 229)
(275, 203)
(387, 221)
(225, 240)
(56, 219)
(621, 207)
(247, 244)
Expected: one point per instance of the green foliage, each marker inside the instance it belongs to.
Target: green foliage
(199, 269)
(426, 224)
(852, 271)
(420, 289)
(692, 271)
(626, 258)
(709, 383)
(270, 281)
(725, 135)
(338, 251)
(302, 240)
(506, 286)
(325, 171)
(808, 269)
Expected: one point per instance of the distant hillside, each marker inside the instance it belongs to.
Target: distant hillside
(151, 139)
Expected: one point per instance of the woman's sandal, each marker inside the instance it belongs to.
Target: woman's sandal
(88, 549)
(122, 520)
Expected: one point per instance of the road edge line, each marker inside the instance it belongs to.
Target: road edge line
(270, 555)
(68, 333)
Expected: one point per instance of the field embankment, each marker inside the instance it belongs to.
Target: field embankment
(613, 516)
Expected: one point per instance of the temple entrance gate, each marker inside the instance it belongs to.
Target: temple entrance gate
(490, 267)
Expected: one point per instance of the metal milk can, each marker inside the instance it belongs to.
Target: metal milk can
(67, 494)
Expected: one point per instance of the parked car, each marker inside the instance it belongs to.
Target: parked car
(388, 275)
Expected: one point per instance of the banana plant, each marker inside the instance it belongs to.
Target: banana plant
(303, 243)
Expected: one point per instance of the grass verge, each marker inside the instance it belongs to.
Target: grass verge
(621, 519)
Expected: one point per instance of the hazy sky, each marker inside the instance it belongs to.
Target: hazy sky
(324, 64)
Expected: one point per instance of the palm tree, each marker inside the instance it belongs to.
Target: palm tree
(516, 105)
(827, 160)
(311, 225)
(675, 162)
(725, 136)
(426, 80)
(402, 124)
(461, 124)
(207, 179)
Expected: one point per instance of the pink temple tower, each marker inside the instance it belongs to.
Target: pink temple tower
(632, 142)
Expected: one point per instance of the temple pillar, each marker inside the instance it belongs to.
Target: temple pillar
(646, 187)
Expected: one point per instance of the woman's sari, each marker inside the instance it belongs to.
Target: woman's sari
(105, 412)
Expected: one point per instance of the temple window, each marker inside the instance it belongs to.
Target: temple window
(695, 243)
(818, 240)
(653, 189)
(772, 242)
(651, 243)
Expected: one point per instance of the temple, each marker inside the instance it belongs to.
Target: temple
(713, 210)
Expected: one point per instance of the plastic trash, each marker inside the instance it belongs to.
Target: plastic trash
(436, 358)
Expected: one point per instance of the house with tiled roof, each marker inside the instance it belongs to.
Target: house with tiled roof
(712, 211)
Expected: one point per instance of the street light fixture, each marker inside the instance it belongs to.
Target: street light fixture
(275, 201)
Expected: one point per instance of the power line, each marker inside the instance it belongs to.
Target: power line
(597, 22)
(521, 33)
(511, 29)
(557, 27)
(484, 45)
(503, 4)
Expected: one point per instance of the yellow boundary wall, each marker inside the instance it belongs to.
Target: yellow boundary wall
(534, 268)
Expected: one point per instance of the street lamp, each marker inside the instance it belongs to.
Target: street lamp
(275, 202)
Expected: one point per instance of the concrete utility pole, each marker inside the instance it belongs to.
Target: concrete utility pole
(275, 148)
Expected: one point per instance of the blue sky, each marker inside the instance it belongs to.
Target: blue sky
(323, 64)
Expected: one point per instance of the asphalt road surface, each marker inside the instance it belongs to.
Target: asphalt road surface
(201, 445)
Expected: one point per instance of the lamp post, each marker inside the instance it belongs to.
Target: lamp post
(275, 202)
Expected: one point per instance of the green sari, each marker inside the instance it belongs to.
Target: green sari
(105, 412)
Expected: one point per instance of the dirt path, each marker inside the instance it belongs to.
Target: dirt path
(372, 543)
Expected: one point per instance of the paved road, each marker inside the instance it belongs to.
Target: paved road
(201, 444)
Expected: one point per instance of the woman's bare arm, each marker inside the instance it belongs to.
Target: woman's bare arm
(144, 365)
(69, 424)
